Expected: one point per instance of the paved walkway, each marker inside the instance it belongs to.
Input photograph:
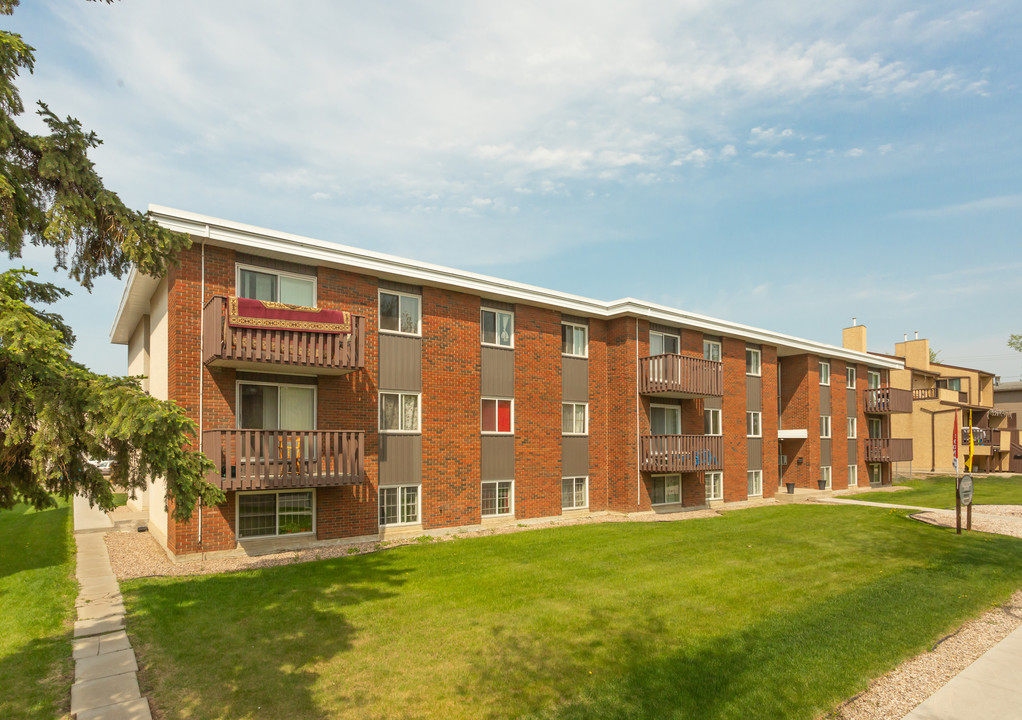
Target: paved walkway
(106, 685)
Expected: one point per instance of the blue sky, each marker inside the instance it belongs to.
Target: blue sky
(788, 165)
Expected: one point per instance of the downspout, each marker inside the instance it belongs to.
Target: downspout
(638, 409)
(202, 316)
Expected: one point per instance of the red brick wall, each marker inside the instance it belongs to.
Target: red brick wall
(800, 408)
(733, 420)
(838, 425)
(599, 405)
(622, 442)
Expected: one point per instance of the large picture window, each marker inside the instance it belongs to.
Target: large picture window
(711, 421)
(274, 286)
(755, 482)
(664, 343)
(666, 489)
(714, 486)
(498, 498)
(711, 350)
(399, 412)
(665, 419)
(498, 415)
(872, 379)
(574, 340)
(273, 406)
(268, 514)
(498, 328)
(574, 418)
(574, 493)
(400, 312)
(399, 505)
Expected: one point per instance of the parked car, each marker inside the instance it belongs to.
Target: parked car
(104, 466)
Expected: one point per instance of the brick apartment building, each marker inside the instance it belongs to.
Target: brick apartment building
(445, 399)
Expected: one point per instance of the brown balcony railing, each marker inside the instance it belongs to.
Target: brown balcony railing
(312, 351)
(980, 436)
(274, 459)
(681, 453)
(681, 376)
(924, 393)
(888, 449)
(887, 400)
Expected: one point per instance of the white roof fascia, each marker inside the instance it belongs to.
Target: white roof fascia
(217, 231)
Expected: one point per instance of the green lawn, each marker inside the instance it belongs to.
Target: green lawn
(778, 612)
(37, 594)
(939, 492)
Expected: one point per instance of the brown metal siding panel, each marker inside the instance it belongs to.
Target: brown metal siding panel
(850, 405)
(574, 379)
(399, 286)
(825, 453)
(754, 449)
(273, 264)
(753, 393)
(498, 458)
(400, 363)
(713, 403)
(853, 458)
(574, 456)
(498, 372)
(825, 400)
(400, 459)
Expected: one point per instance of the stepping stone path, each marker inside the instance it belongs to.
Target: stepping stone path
(106, 684)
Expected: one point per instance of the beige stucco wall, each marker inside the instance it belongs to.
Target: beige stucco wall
(159, 372)
(138, 352)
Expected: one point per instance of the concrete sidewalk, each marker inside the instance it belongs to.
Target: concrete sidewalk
(989, 688)
(89, 519)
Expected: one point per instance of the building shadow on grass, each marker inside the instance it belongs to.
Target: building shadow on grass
(36, 679)
(31, 539)
(251, 644)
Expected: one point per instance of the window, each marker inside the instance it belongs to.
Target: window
(266, 514)
(272, 406)
(753, 423)
(400, 312)
(875, 427)
(497, 498)
(755, 479)
(872, 379)
(498, 415)
(853, 475)
(714, 486)
(663, 344)
(875, 474)
(824, 372)
(711, 421)
(399, 412)
(573, 418)
(666, 489)
(951, 384)
(275, 286)
(711, 350)
(399, 505)
(753, 360)
(824, 426)
(574, 493)
(574, 340)
(825, 476)
(850, 373)
(853, 428)
(665, 419)
(498, 328)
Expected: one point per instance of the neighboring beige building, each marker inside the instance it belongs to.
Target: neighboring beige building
(1008, 398)
(940, 391)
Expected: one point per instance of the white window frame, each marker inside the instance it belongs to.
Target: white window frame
(585, 430)
(853, 428)
(237, 401)
(496, 312)
(511, 498)
(714, 479)
(574, 479)
(664, 478)
(497, 400)
(379, 313)
(400, 504)
(824, 372)
(870, 374)
(720, 421)
(825, 473)
(660, 406)
(238, 267)
(757, 482)
(400, 394)
(237, 513)
(875, 468)
(663, 334)
(825, 427)
(707, 346)
(850, 378)
(585, 329)
(853, 476)
(756, 353)
(755, 418)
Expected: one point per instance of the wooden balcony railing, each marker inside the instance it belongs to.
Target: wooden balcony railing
(980, 436)
(924, 393)
(888, 450)
(250, 347)
(681, 376)
(681, 453)
(887, 400)
(274, 459)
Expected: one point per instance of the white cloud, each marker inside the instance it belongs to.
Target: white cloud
(769, 136)
(855, 152)
(984, 205)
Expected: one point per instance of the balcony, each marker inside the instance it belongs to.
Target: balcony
(680, 376)
(278, 459)
(681, 453)
(887, 450)
(256, 348)
(887, 400)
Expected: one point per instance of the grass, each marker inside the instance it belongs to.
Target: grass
(939, 492)
(37, 593)
(120, 499)
(772, 612)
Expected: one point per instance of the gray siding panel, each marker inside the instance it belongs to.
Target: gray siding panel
(498, 372)
(714, 403)
(825, 400)
(850, 403)
(574, 456)
(853, 458)
(274, 264)
(825, 454)
(498, 458)
(754, 451)
(574, 379)
(753, 393)
(400, 459)
(400, 363)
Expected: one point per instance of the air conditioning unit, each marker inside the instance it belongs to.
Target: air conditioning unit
(784, 459)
